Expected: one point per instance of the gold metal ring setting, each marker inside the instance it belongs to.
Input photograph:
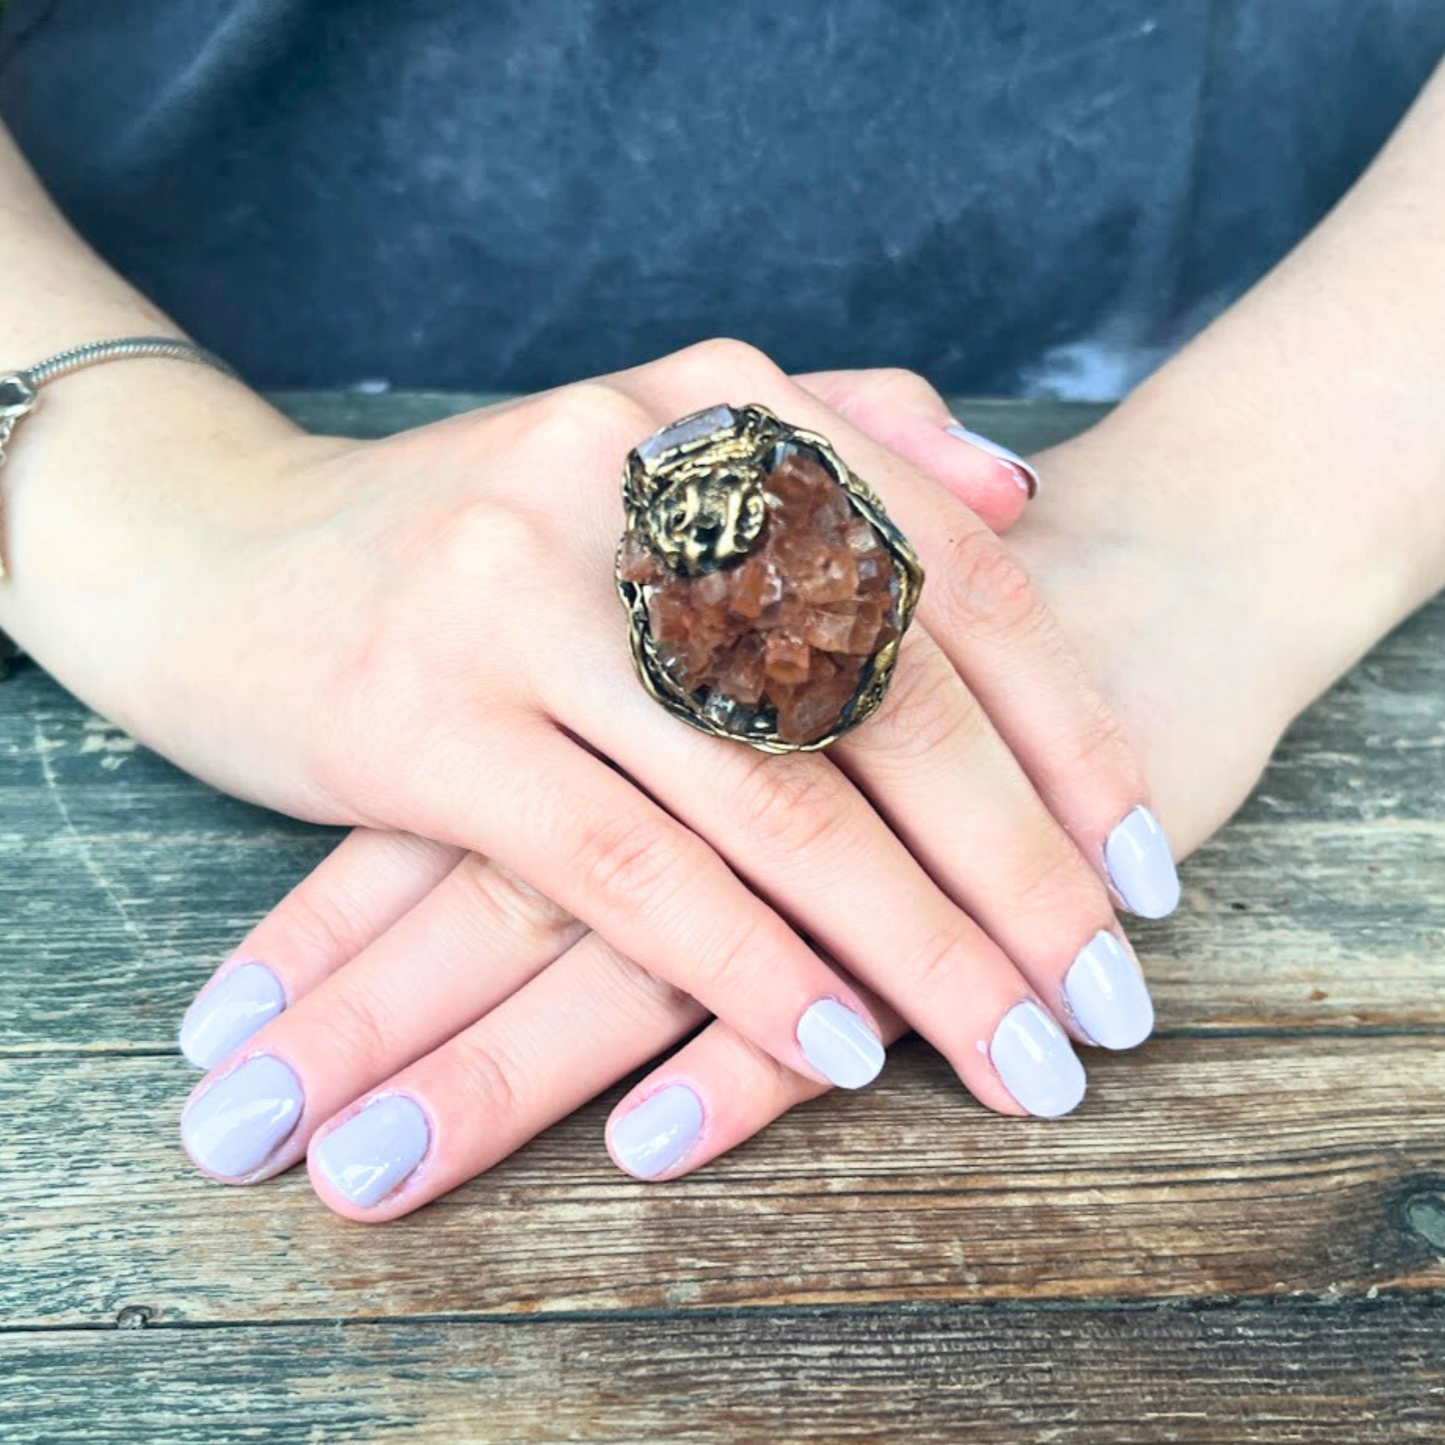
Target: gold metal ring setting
(766, 587)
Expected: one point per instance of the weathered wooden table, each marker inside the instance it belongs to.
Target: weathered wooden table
(1241, 1237)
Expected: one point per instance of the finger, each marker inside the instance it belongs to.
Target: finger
(802, 834)
(588, 1020)
(589, 839)
(473, 941)
(713, 1094)
(1004, 641)
(902, 411)
(356, 893)
(932, 763)
(981, 606)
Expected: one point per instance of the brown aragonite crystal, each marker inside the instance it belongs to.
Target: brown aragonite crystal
(781, 637)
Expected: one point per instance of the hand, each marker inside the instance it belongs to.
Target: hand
(797, 826)
(591, 1017)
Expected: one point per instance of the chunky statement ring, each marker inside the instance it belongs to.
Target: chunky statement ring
(766, 586)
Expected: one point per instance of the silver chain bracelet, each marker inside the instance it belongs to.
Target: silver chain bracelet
(20, 390)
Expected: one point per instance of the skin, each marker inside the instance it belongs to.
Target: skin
(1210, 555)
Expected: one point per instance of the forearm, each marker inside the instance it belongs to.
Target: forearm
(116, 464)
(1283, 476)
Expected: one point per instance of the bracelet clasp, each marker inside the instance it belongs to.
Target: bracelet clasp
(17, 396)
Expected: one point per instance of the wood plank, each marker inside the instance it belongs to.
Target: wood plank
(872, 1266)
(1248, 1167)
(122, 880)
(1280, 1376)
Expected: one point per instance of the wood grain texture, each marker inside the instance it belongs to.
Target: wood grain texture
(122, 881)
(1240, 1238)
(1244, 1167)
(1289, 1376)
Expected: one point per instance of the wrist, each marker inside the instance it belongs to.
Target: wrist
(1161, 590)
(120, 496)
(1219, 570)
(1270, 499)
(1297, 529)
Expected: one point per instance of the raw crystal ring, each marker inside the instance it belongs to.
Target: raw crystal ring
(767, 588)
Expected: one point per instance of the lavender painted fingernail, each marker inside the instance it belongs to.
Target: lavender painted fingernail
(229, 1012)
(375, 1149)
(1036, 1063)
(1024, 474)
(1107, 994)
(243, 1118)
(650, 1139)
(839, 1044)
(1141, 865)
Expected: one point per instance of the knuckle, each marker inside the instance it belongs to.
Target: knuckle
(646, 994)
(460, 524)
(355, 1031)
(487, 1077)
(899, 386)
(927, 708)
(497, 894)
(935, 965)
(725, 358)
(766, 1080)
(636, 862)
(581, 430)
(437, 561)
(508, 531)
(482, 534)
(726, 967)
(791, 806)
(578, 419)
(1103, 748)
(985, 588)
(318, 923)
(1053, 881)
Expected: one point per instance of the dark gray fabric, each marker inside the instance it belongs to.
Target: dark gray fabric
(1008, 196)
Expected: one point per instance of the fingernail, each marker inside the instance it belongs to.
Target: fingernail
(1024, 474)
(243, 1118)
(651, 1138)
(1036, 1063)
(229, 1012)
(1141, 866)
(375, 1149)
(839, 1044)
(1107, 994)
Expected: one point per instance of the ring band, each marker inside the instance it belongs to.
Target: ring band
(766, 586)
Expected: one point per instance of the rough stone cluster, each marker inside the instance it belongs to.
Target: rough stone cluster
(786, 631)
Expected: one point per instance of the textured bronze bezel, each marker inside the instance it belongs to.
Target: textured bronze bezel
(753, 434)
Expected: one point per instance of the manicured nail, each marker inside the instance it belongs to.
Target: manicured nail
(229, 1012)
(651, 1138)
(1034, 1060)
(839, 1044)
(1141, 866)
(1107, 994)
(1024, 474)
(243, 1118)
(375, 1149)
